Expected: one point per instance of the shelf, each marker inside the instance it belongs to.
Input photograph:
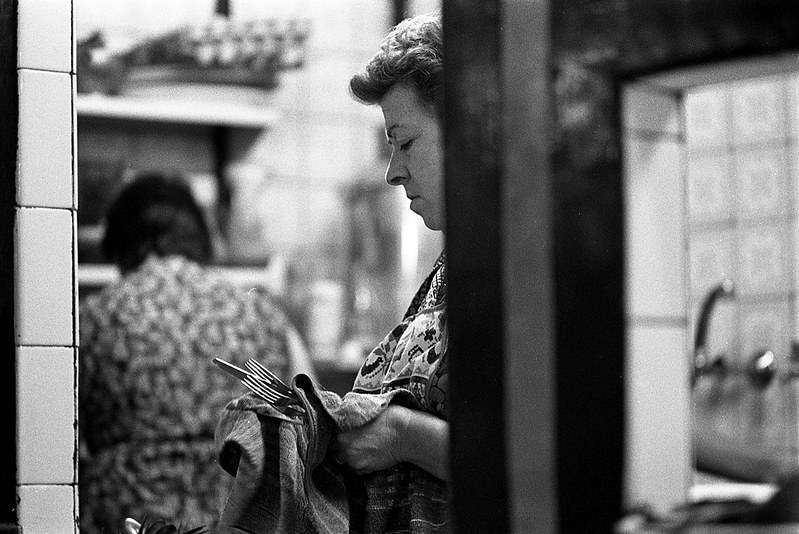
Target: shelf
(96, 275)
(175, 111)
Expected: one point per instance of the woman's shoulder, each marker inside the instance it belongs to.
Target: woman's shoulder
(433, 291)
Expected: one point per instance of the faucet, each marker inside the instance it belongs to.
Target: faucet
(725, 289)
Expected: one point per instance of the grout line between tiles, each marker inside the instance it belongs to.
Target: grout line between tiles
(51, 71)
(59, 208)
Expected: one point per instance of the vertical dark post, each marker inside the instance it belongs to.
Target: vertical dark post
(589, 280)
(473, 166)
(528, 267)
(9, 112)
(399, 8)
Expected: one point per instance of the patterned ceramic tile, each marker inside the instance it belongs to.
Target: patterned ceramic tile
(766, 326)
(711, 256)
(765, 259)
(762, 183)
(758, 110)
(706, 116)
(710, 186)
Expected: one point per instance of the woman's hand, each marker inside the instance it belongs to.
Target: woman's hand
(399, 434)
(374, 446)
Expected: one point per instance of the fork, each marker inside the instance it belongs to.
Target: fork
(271, 392)
(280, 403)
(258, 368)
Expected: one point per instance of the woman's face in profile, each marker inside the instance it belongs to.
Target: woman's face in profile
(416, 162)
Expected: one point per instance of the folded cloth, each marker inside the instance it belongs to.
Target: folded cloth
(286, 482)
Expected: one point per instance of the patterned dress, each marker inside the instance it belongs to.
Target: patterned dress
(413, 355)
(150, 396)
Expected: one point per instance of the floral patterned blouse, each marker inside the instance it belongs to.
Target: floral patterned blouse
(413, 355)
(150, 396)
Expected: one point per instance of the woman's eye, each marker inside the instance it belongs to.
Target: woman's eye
(406, 145)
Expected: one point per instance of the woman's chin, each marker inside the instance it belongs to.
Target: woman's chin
(436, 226)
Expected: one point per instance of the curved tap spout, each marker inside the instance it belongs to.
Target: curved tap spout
(725, 289)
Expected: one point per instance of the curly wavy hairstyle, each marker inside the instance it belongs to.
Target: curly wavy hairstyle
(155, 214)
(411, 53)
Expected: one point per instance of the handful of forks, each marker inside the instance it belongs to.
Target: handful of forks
(267, 386)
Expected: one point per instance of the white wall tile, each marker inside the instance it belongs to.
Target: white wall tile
(658, 456)
(44, 165)
(74, 91)
(45, 35)
(44, 270)
(710, 186)
(706, 116)
(655, 228)
(711, 259)
(766, 326)
(762, 187)
(794, 180)
(46, 415)
(648, 110)
(792, 83)
(47, 509)
(765, 259)
(758, 110)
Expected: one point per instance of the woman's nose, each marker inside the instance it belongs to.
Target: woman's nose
(395, 174)
(395, 179)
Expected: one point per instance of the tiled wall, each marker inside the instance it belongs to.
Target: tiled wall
(658, 459)
(45, 267)
(742, 141)
(742, 174)
(710, 193)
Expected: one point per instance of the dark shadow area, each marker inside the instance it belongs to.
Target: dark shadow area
(8, 166)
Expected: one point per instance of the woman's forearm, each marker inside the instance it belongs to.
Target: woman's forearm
(425, 442)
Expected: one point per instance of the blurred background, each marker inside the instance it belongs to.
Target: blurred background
(250, 100)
